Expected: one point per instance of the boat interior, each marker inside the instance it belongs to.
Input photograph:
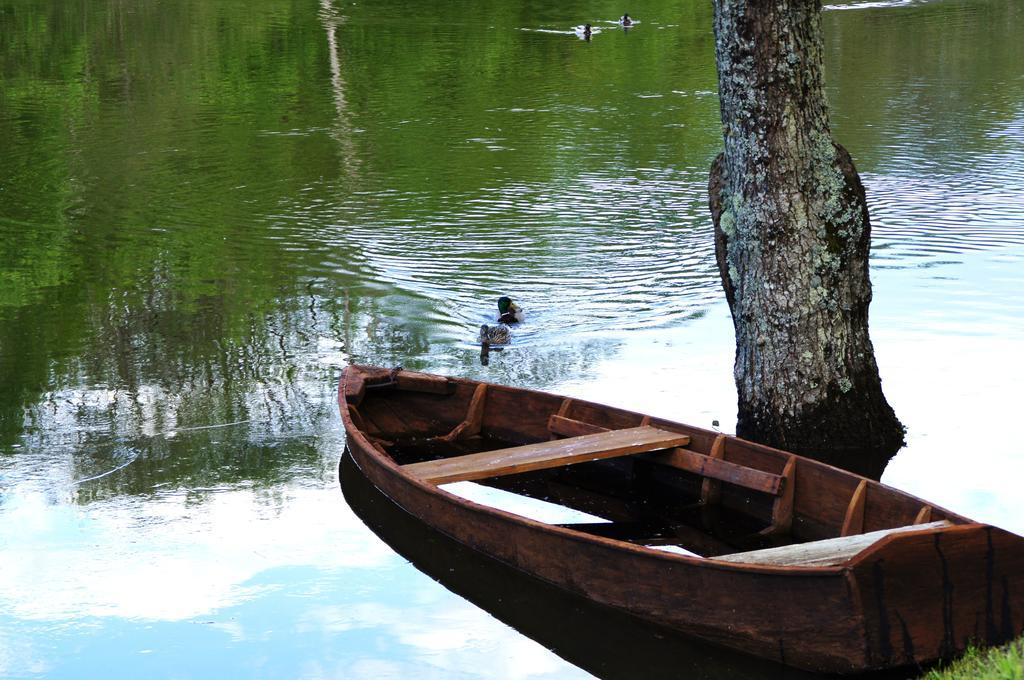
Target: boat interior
(641, 480)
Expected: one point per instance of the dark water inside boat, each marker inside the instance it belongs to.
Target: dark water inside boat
(415, 450)
(207, 209)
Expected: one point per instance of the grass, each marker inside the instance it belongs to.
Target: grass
(998, 663)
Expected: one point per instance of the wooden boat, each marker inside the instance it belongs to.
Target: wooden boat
(782, 557)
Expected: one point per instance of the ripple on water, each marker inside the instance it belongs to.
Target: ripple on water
(914, 216)
(879, 4)
(601, 253)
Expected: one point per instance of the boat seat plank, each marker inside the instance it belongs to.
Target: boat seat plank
(423, 382)
(547, 454)
(829, 552)
(567, 427)
(717, 468)
(713, 467)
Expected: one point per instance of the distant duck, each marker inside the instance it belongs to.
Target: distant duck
(626, 21)
(498, 334)
(508, 311)
(586, 32)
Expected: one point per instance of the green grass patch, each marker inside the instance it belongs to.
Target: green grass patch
(998, 663)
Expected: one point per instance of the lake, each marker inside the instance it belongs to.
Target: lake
(207, 209)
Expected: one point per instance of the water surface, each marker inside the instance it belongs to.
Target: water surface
(208, 209)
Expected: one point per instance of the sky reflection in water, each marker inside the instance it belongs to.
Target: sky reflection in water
(231, 586)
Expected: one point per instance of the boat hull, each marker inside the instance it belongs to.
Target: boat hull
(912, 599)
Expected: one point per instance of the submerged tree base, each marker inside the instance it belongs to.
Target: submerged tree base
(844, 430)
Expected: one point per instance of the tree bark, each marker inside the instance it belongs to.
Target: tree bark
(792, 237)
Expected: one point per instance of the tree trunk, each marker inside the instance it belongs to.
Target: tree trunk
(792, 238)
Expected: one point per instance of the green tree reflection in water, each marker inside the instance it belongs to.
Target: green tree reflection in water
(204, 205)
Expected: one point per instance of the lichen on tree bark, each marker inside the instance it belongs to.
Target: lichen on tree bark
(792, 235)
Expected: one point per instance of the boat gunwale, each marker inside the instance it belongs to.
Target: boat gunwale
(614, 544)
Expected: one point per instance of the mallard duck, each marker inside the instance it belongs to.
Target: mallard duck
(498, 334)
(508, 311)
(586, 31)
(626, 21)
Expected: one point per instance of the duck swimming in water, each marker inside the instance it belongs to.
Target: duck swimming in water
(508, 311)
(625, 20)
(498, 334)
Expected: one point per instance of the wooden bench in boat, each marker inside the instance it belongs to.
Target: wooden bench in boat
(829, 552)
(713, 468)
(691, 461)
(586, 442)
(555, 453)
